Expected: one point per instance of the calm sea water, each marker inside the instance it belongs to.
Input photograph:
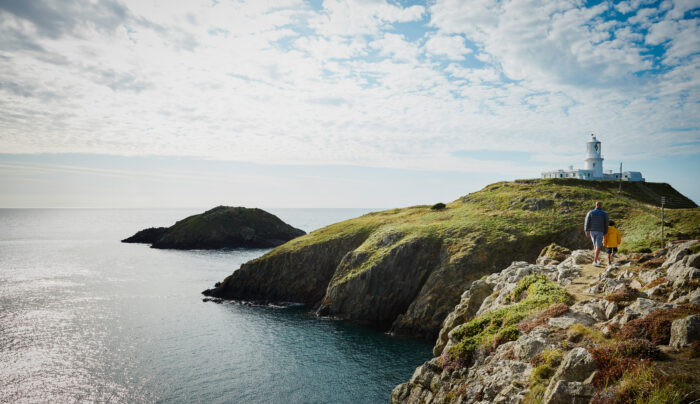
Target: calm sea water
(84, 317)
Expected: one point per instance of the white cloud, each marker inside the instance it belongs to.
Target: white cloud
(282, 83)
(451, 47)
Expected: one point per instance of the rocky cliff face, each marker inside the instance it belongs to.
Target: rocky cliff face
(221, 227)
(567, 332)
(404, 269)
(300, 275)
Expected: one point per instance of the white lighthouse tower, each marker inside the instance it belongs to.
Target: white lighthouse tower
(594, 168)
(594, 161)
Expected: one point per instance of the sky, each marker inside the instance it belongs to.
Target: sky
(362, 103)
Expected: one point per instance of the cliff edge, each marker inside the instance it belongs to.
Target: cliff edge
(404, 269)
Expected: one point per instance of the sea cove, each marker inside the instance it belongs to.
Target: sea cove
(87, 318)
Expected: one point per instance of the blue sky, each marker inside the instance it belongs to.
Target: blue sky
(337, 103)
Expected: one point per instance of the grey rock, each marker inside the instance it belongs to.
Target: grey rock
(643, 306)
(685, 331)
(577, 366)
(650, 275)
(528, 346)
(469, 304)
(595, 309)
(570, 393)
(682, 272)
(611, 310)
(571, 318)
(678, 252)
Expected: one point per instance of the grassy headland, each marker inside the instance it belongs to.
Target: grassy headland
(405, 268)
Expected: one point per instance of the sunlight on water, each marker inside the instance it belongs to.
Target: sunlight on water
(86, 318)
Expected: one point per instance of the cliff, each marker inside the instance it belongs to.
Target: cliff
(404, 269)
(567, 332)
(220, 227)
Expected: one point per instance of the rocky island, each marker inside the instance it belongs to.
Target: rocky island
(220, 227)
(404, 270)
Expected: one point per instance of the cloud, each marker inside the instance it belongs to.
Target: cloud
(56, 19)
(450, 47)
(369, 83)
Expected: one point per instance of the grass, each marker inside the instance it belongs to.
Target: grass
(545, 365)
(496, 225)
(644, 384)
(578, 332)
(499, 326)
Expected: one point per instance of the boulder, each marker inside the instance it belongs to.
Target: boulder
(553, 253)
(685, 331)
(611, 310)
(678, 251)
(571, 318)
(685, 270)
(595, 309)
(577, 366)
(650, 275)
(528, 346)
(570, 393)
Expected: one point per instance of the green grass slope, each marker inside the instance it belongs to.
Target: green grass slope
(414, 262)
(525, 208)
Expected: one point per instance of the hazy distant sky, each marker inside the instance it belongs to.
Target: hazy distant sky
(361, 103)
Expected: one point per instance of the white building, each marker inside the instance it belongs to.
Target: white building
(593, 170)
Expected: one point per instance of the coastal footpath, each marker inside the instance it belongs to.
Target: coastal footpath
(404, 270)
(562, 331)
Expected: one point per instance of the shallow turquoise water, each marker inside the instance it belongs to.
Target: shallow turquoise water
(84, 317)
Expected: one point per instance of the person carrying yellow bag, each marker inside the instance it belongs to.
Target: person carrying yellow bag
(611, 240)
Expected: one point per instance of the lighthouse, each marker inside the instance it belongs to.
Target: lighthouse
(594, 160)
(593, 168)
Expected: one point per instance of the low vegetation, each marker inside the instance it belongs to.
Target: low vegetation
(656, 326)
(488, 331)
(623, 294)
(645, 384)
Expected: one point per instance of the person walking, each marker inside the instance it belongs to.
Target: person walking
(595, 226)
(611, 240)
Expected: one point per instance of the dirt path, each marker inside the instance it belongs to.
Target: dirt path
(580, 285)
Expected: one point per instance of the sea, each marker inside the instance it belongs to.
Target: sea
(86, 318)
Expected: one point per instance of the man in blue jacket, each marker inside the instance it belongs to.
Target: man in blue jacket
(596, 226)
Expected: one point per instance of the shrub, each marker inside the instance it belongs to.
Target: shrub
(438, 206)
(554, 310)
(656, 282)
(637, 348)
(656, 326)
(695, 349)
(653, 263)
(624, 294)
(496, 327)
(611, 366)
(644, 384)
(578, 331)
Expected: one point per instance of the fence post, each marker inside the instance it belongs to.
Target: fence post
(663, 220)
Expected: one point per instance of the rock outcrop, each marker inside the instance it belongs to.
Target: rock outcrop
(504, 343)
(221, 227)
